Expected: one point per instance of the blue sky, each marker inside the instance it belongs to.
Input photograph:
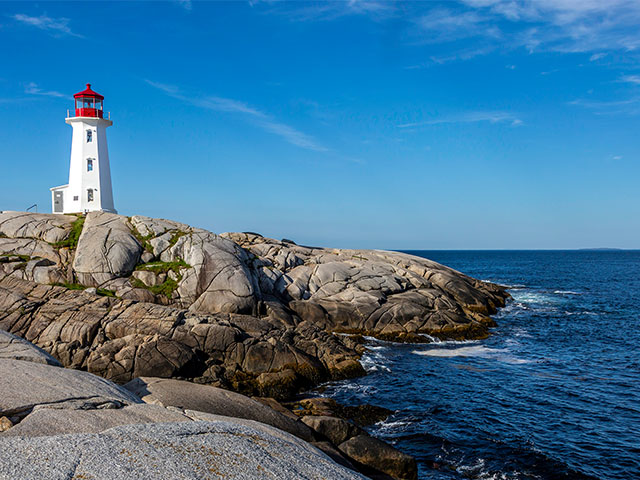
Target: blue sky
(426, 125)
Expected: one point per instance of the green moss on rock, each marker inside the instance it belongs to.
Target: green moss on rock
(164, 267)
(71, 242)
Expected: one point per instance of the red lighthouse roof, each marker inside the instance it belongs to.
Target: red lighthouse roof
(88, 93)
(88, 103)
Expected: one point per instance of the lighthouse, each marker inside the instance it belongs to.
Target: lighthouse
(89, 187)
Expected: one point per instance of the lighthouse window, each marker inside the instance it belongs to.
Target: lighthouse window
(90, 195)
(89, 164)
(89, 136)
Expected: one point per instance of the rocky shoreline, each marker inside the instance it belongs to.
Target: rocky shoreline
(139, 300)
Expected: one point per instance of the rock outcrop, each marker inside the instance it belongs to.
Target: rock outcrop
(208, 399)
(235, 310)
(123, 339)
(129, 298)
(107, 249)
(16, 348)
(344, 441)
(59, 423)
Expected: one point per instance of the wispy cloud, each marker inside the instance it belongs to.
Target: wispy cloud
(593, 27)
(186, 4)
(565, 25)
(469, 117)
(635, 79)
(617, 157)
(440, 25)
(33, 89)
(54, 26)
(331, 10)
(625, 106)
(603, 104)
(255, 116)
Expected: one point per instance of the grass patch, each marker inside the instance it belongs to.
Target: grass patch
(175, 237)
(144, 240)
(7, 257)
(70, 286)
(164, 267)
(169, 285)
(71, 241)
(167, 288)
(105, 292)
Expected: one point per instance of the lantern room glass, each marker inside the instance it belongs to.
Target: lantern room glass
(89, 106)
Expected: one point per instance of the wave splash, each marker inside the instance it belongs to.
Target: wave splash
(499, 354)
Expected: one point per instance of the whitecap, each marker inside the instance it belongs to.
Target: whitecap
(352, 388)
(566, 292)
(536, 300)
(521, 332)
(499, 354)
(385, 426)
(586, 312)
(475, 351)
(373, 361)
(376, 347)
(440, 342)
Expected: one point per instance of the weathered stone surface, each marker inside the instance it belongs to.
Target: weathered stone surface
(219, 280)
(237, 310)
(148, 278)
(188, 450)
(389, 295)
(335, 429)
(253, 314)
(334, 454)
(27, 384)
(120, 340)
(65, 418)
(378, 455)
(49, 228)
(106, 249)
(29, 247)
(14, 347)
(208, 399)
(5, 424)
(59, 423)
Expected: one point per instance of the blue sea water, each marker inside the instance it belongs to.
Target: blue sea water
(554, 393)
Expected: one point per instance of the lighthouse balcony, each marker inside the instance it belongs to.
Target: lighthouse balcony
(88, 112)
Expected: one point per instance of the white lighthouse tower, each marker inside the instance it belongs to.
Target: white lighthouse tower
(89, 186)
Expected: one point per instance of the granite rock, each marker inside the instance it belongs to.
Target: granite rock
(107, 249)
(188, 450)
(374, 453)
(208, 399)
(14, 347)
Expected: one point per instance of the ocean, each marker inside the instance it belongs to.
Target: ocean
(553, 393)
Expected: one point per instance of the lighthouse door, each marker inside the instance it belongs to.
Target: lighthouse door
(58, 205)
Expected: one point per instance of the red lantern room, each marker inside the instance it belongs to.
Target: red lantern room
(88, 103)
